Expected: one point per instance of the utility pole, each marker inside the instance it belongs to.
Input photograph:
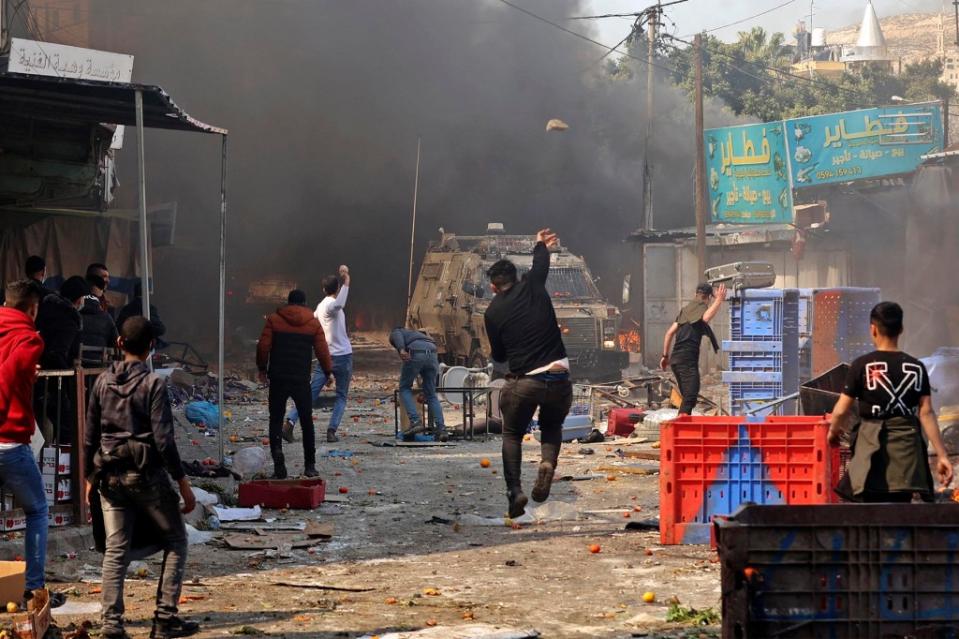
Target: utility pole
(651, 60)
(955, 4)
(652, 21)
(701, 203)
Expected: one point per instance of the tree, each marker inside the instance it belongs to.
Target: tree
(753, 77)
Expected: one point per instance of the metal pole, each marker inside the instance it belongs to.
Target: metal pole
(701, 203)
(416, 187)
(955, 3)
(144, 227)
(945, 122)
(222, 324)
(650, 61)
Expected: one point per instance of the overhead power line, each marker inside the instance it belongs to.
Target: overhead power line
(609, 50)
(752, 17)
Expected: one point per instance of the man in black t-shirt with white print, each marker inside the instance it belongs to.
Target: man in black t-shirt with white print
(889, 461)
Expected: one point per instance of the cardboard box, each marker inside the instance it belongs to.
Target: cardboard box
(13, 520)
(64, 490)
(50, 488)
(61, 516)
(13, 581)
(55, 460)
(35, 621)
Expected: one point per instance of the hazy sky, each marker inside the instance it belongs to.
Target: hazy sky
(696, 15)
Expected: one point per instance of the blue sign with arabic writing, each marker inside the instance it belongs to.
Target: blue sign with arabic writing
(857, 145)
(748, 174)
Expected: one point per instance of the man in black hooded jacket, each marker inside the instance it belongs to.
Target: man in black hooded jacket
(131, 451)
(97, 332)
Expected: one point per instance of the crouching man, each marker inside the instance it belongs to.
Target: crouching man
(132, 454)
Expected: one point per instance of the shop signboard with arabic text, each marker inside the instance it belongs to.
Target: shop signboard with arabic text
(748, 174)
(866, 144)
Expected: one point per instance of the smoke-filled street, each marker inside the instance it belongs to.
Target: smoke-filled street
(479, 319)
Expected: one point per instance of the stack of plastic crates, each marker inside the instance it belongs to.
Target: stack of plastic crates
(763, 351)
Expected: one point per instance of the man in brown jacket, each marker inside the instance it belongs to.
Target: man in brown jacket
(284, 355)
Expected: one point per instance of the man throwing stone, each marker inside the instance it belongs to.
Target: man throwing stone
(523, 333)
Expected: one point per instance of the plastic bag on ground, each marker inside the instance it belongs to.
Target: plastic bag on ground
(238, 514)
(204, 413)
(205, 498)
(195, 536)
(249, 461)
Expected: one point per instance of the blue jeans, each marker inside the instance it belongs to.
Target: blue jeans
(342, 373)
(425, 365)
(21, 476)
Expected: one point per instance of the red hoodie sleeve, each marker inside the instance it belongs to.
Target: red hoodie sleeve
(322, 349)
(264, 346)
(17, 376)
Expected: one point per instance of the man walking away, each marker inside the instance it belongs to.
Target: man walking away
(690, 327)
(20, 352)
(131, 450)
(889, 460)
(36, 270)
(135, 307)
(523, 332)
(333, 320)
(418, 352)
(283, 355)
(97, 332)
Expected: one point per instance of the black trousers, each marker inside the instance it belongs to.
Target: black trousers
(518, 400)
(299, 392)
(687, 378)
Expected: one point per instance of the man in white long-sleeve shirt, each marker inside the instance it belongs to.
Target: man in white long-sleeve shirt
(333, 319)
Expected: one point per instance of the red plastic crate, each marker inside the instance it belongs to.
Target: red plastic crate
(623, 421)
(301, 494)
(709, 466)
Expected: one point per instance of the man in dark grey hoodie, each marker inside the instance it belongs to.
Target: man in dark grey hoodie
(131, 454)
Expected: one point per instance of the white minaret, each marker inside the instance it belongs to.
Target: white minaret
(871, 45)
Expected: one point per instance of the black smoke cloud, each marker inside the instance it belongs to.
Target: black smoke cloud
(325, 100)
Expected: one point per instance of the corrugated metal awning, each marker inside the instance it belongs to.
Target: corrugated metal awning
(87, 101)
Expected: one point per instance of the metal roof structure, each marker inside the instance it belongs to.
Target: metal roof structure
(141, 106)
(67, 99)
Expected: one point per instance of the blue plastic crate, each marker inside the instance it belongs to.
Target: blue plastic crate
(754, 356)
(753, 377)
(744, 396)
(757, 315)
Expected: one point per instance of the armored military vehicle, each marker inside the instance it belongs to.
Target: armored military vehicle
(452, 293)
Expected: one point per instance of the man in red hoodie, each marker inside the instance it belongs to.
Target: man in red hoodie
(20, 352)
(284, 354)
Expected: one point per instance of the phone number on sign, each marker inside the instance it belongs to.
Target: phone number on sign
(845, 171)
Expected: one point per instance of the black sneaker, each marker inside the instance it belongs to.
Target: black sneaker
(173, 627)
(517, 503)
(311, 471)
(410, 433)
(279, 466)
(287, 432)
(331, 437)
(544, 481)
